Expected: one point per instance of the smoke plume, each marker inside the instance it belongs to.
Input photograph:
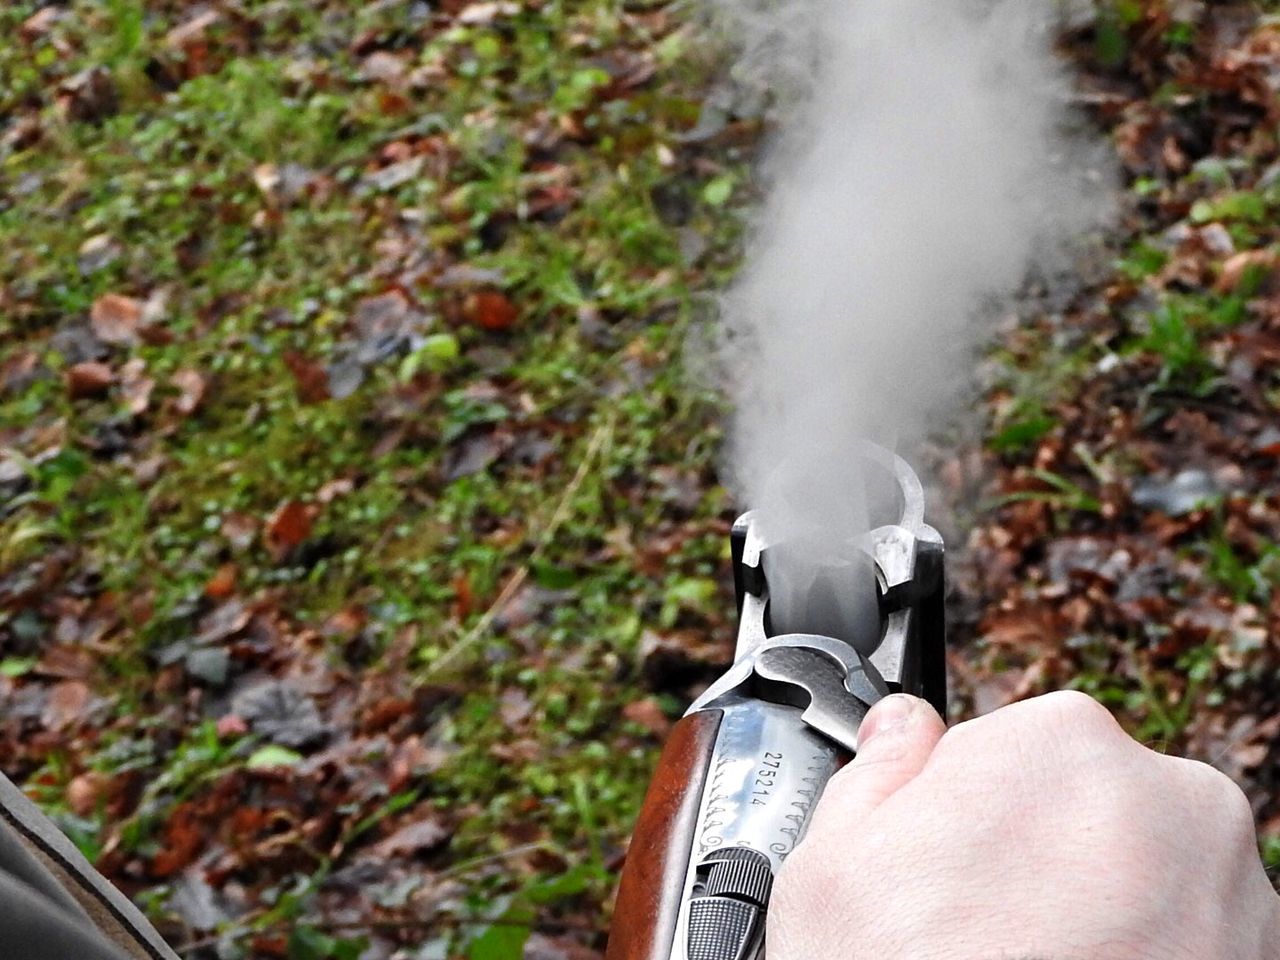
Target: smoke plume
(925, 162)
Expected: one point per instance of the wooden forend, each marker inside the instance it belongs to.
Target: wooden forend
(653, 876)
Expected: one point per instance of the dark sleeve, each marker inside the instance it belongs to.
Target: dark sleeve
(53, 904)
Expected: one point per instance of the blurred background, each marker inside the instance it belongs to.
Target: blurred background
(360, 528)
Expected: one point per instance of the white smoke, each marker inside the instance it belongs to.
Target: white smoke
(926, 160)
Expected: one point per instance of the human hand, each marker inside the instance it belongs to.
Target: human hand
(1038, 832)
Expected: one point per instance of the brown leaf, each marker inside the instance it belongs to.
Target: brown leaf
(289, 526)
(669, 659)
(183, 839)
(89, 95)
(88, 379)
(224, 621)
(192, 30)
(239, 529)
(68, 702)
(484, 13)
(648, 714)
(267, 177)
(514, 707)
(115, 318)
(85, 793)
(490, 310)
(232, 725)
(311, 378)
(39, 23)
(18, 370)
(136, 387)
(383, 67)
(1236, 268)
(191, 387)
(223, 583)
(421, 836)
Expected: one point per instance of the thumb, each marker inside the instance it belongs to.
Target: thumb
(894, 742)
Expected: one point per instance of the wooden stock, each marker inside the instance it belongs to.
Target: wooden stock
(653, 876)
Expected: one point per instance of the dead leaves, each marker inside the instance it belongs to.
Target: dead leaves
(88, 380)
(489, 310)
(310, 379)
(115, 318)
(191, 387)
(281, 713)
(414, 838)
(288, 527)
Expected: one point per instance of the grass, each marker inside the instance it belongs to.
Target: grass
(520, 182)
(176, 178)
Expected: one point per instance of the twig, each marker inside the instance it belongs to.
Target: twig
(558, 517)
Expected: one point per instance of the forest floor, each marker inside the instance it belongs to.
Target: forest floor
(360, 534)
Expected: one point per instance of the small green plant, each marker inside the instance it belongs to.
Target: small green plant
(1025, 423)
(1061, 493)
(1249, 580)
(1270, 850)
(1173, 338)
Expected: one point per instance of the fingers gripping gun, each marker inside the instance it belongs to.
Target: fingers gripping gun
(743, 769)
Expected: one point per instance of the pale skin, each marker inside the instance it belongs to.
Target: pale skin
(1038, 832)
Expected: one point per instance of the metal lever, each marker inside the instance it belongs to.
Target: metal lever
(807, 678)
(832, 683)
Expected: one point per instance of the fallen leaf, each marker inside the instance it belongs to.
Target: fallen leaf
(85, 793)
(240, 529)
(475, 453)
(282, 713)
(421, 836)
(68, 702)
(231, 725)
(289, 526)
(1236, 268)
(267, 178)
(486, 12)
(272, 756)
(225, 620)
(184, 836)
(383, 67)
(191, 386)
(648, 714)
(115, 317)
(39, 23)
(384, 325)
(223, 583)
(489, 310)
(312, 379)
(396, 174)
(98, 251)
(196, 902)
(135, 386)
(89, 379)
(191, 30)
(89, 95)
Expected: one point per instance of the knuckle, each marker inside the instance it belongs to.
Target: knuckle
(964, 738)
(1053, 714)
(1075, 709)
(1226, 801)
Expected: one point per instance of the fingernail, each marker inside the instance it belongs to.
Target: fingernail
(892, 711)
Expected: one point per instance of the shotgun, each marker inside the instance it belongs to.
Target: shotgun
(742, 770)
